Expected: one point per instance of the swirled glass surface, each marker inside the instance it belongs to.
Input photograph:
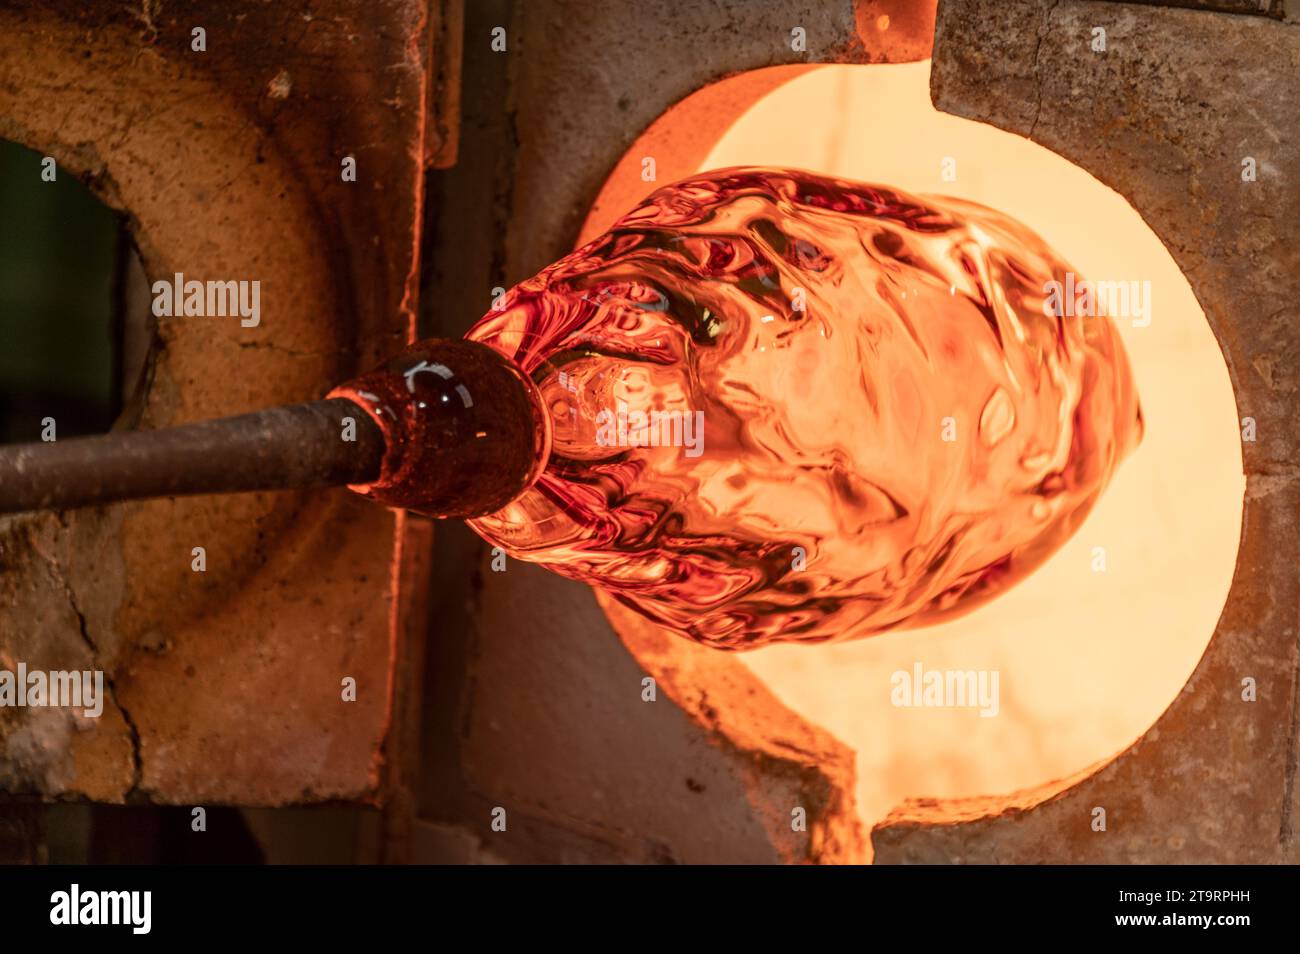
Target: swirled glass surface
(792, 408)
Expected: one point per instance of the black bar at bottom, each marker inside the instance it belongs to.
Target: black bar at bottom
(659, 906)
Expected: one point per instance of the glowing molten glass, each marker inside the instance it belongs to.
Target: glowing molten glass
(790, 408)
(768, 406)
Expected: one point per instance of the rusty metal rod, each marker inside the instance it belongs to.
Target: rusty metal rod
(298, 445)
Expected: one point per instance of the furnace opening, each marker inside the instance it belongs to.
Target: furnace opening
(1075, 663)
(74, 308)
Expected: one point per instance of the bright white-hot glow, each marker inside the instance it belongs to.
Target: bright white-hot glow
(1095, 645)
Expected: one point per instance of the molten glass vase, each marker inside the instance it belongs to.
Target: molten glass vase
(771, 406)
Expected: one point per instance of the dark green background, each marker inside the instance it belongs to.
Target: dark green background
(60, 264)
